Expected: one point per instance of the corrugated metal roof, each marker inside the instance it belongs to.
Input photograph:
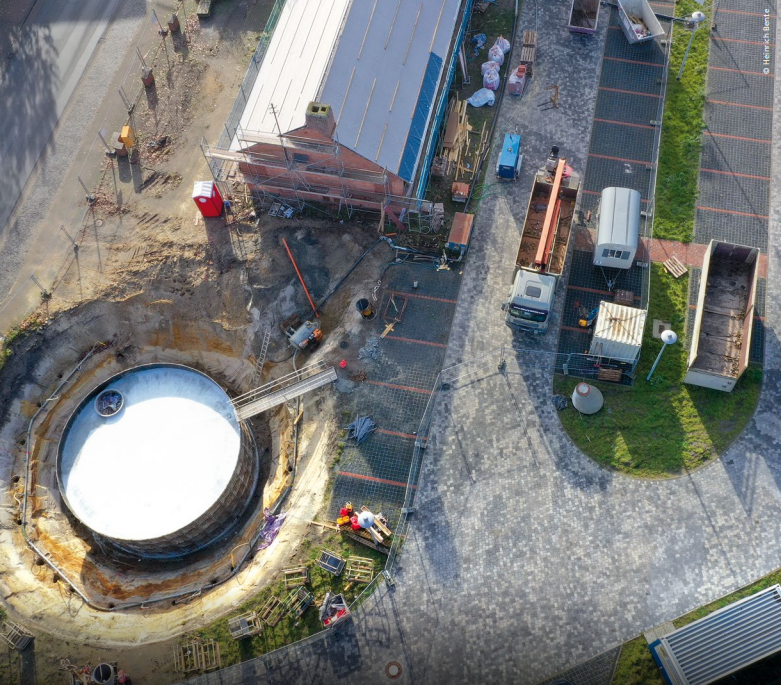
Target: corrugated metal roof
(377, 63)
(618, 331)
(727, 640)
(619, 217)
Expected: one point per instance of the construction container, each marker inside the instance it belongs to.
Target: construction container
(508, 166)
(583, 16)
(618, 332)
(460, 232)
(723, 321)
(638, 21)
(207, 196)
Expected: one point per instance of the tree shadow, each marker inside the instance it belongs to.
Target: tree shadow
(29, 81)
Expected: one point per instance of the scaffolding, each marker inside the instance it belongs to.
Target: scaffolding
(279, 168)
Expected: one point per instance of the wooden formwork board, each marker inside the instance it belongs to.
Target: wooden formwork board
(197, 655)
(359, 569)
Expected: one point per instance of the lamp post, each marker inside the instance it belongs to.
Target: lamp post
(693, 23)
(668, 338)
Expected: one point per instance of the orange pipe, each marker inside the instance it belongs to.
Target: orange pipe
(547, 226)
(300, 277)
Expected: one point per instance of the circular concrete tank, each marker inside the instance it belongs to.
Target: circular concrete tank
(168, 473)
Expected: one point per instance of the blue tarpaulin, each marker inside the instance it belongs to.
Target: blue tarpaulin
(417, 131)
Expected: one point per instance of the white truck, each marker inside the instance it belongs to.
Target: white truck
(543, 249)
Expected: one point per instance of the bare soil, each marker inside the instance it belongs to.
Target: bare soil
(153, 281)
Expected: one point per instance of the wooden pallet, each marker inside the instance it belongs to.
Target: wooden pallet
(299, 575)
(624, 297)
(297, 601)
(16, 636)
(530, 39)
(674, 267)
(197, 655)
(271, 611)
(245, 625)
(331, 562)
(528, 55)
(610, 375)
(359, 569)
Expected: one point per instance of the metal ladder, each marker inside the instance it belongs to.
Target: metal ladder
(261, 359)
(283, 389)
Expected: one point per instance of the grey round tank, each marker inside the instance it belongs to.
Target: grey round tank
(170, 473)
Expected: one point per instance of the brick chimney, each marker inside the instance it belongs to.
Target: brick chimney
(320, 118)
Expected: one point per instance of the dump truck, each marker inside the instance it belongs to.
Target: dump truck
(638, 21)
(542, 252)
(721, 339)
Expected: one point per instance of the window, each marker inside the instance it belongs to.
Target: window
(615, 254)
(300, 158)
(528, 314)
(533, 291)
(605, 252)
(625, 254)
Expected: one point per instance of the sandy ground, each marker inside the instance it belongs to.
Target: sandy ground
(156, 282)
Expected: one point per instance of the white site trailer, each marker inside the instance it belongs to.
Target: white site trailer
(618, 234)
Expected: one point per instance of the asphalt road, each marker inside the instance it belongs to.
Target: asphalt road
(45, 46)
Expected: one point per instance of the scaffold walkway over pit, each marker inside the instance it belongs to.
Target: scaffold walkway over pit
(283, 389)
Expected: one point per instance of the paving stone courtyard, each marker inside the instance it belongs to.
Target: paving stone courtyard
(524, 559)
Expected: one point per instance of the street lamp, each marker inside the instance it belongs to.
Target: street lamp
(668, 338)
(692, 23)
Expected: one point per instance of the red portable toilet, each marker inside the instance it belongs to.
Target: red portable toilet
(208, 198)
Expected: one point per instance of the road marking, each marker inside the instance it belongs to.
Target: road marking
(375, 480)
(629, 92)
(593, 290)
(740, 71)
(425, 297)
(748, 140)
(618, 159)
(733, 173)
(397, 434)
(738, 40)
(731, 211)
(741, 104)
(394, 386)
(412, 340)
(750, 14)
(624, 123)
(632, 61)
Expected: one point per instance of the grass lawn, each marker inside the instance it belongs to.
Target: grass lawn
(662, 427)
(679, 154)
(289, 630)
(637, 667)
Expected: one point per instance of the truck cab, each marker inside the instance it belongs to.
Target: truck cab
(530, 301)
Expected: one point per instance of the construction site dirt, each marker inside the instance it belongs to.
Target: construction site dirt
(153, 281)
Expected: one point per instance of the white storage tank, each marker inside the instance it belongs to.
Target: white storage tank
(155, 462)
(618, 233)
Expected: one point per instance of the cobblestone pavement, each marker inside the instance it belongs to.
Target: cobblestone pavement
(524, 559)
